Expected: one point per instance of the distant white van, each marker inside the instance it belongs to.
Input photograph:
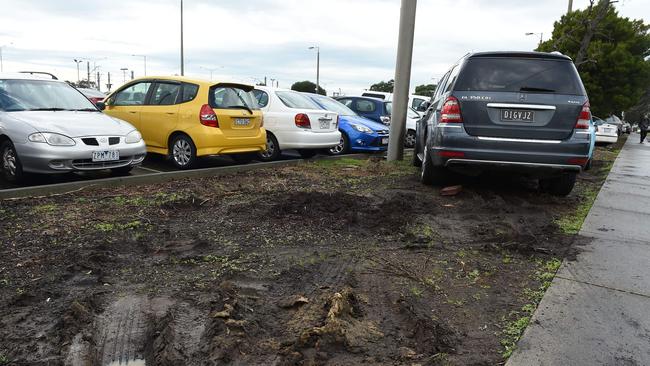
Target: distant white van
(415, 101)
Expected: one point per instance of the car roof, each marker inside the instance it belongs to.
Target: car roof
(270, 89)
(25, 76)
(191, 80)
(521, 54)
(362, 97)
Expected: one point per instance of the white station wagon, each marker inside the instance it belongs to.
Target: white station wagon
(293, 121)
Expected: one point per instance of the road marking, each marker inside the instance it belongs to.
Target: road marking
(149, 169)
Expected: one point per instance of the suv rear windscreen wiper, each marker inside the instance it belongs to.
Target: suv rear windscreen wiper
(240, 107)
(46, 109)
(533, 89)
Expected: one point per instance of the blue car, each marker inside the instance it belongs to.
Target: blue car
(357, 133)
(375, 109)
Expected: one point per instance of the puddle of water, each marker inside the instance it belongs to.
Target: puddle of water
(127, 363)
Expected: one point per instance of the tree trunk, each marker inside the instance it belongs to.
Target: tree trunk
(601, 10)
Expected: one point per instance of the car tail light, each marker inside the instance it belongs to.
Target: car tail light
(302, 121)
(578, 161)
(208, 117)
(451, 154)
(584, 118)
(451, 111)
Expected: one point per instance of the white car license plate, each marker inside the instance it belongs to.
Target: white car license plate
(108, 155)
(324, 125)
(608, 130)
(384, 141)
(242, 121)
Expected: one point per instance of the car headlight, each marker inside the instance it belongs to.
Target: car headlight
(133, 137)
(385, 120)
(360, 128)
(53, 139)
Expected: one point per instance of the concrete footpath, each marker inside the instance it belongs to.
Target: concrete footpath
(597, 311)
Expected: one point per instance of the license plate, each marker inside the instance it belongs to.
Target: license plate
(384, 141)
(109, 155)
(324, 125)
(609, 130)
(242, 121)
(509, 115)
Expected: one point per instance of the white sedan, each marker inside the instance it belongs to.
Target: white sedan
(606, 133)
(293, 121)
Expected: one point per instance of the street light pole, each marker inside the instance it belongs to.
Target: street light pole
(145, 62)
(541, 37)
(317, 48)
(402, 80)
(182, 51)
(78, 74)
(124, 70)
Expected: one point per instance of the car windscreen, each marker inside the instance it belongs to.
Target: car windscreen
(500, 74)
(232, 97)
(334, 106)
(296, 100)
(389, 108)
(33, 95)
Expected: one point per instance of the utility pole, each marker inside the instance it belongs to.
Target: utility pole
(402, 79)
(124, 70)
(108, 84)
(78, 73)
(317, 48)
(182, 51)
(88, 68)
(570, 6)
(98, 82)
(132, 74)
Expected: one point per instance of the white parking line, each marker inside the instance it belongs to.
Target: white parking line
(149, 169)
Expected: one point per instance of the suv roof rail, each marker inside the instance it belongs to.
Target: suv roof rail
(39, 73)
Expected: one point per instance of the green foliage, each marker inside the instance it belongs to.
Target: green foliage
(307, 87)
(425, 89)
(383, 86)
(616, 72)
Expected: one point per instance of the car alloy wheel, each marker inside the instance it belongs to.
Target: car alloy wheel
(182, 152)
(338, 149)
(270, 148)
(409, 139)
(9, 161)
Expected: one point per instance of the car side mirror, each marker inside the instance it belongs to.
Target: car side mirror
(101, 105)
(423, 107)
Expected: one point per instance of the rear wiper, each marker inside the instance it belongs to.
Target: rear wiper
(240, 107)
(533, 89)
(47, 109)
(85, 110)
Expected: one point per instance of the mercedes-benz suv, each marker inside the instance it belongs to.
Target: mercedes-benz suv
(521, 111)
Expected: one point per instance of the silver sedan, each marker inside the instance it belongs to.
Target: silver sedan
(47, 126)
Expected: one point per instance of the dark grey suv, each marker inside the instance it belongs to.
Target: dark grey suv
(522, 111)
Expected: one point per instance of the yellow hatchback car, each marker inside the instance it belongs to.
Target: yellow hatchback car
(187, 118)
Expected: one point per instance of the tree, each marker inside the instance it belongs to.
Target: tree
(425, 89)
(383, 86)
(307, 87)
(610, 53)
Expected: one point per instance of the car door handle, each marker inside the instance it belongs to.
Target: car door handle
(132, 112)
(170, 113)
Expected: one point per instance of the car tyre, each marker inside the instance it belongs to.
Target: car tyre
(410, 139)
(183, 152)
(415, 160)
(559, 186)
(307, 153)
(272, 151)
(342, 148)
(12, 168)
(121, 172)
(430, 174)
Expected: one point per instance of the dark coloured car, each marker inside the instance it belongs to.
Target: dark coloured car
(521, 111)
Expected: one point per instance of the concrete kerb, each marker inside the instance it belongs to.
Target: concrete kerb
(64, 188)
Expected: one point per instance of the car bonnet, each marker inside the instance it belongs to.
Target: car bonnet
(74, 124)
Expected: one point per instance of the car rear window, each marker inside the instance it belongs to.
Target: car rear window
(520, 75)
(296, 100)
(232, 97)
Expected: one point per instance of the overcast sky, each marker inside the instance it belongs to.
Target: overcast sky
(246, 40)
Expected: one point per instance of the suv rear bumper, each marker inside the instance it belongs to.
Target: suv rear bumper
(454, 148)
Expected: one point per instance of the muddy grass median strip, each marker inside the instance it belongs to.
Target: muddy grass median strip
(73, 187)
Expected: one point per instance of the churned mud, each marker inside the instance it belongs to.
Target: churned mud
(327, 263)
